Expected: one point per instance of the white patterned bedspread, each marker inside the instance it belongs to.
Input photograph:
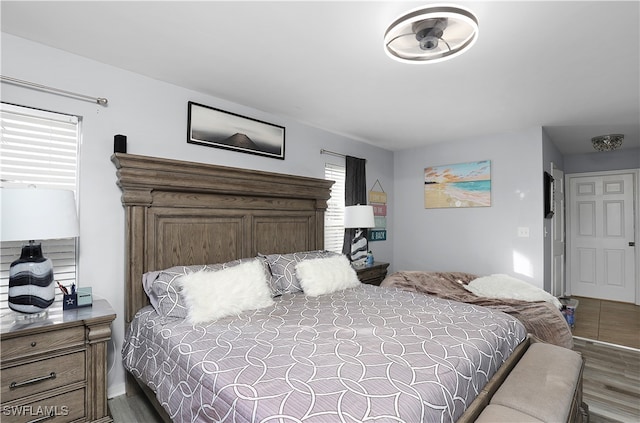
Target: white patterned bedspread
(363, 354)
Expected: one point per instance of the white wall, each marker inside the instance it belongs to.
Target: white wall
(600, 161)
(153, 116)
(481, 240)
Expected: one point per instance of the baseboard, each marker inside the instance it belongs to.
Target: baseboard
(595, 341)
(115, 390)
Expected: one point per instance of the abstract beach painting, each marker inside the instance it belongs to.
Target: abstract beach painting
(458, 185)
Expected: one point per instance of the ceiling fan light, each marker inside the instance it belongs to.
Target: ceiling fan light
(607, 142)
(431, 34)
(429, 42)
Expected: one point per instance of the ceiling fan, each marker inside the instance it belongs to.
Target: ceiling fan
(431, 34)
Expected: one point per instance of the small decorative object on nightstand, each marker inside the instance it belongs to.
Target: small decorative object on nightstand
(373, 274)
(55, 367)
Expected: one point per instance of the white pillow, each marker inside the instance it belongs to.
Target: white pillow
(326, 275)
(505, 286)
(213, 295)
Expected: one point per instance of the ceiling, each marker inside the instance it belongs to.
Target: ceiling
(571, 67)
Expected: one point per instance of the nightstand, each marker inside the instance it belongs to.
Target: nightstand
(54, 368)
(373, 274)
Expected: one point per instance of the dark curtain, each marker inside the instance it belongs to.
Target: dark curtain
(355, 192)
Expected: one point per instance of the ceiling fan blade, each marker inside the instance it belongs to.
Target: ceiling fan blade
(403, 42)
(456, 30)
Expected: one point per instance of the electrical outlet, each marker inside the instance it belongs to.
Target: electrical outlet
(523, 232)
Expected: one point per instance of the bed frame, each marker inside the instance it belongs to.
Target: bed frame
(184, 213)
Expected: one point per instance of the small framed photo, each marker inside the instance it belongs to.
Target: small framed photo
(216, 128)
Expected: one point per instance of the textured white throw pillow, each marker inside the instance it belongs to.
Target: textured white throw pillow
(505, 286)
(326, 275)
(212, 295)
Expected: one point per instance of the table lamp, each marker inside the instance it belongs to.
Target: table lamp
(359, 217)
(30, 214)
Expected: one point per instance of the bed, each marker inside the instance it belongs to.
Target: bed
(354, 354)
(543, 319)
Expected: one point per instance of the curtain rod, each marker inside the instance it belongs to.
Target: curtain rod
(100, 100)
(333, 153)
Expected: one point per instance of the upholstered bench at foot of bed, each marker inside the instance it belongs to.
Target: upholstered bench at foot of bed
(545, 386)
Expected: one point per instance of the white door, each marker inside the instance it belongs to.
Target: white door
(601, 236)
(557, 234)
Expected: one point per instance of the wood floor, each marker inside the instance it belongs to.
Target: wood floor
(611, 382)
(133, 409)
(608, 321)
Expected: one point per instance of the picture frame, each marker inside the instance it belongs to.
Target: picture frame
(217, 128)
(458, 185)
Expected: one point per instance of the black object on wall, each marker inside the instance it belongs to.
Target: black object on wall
(548, 195)
(119, 143)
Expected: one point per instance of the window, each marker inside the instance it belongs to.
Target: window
(38, 148)
(334, 216)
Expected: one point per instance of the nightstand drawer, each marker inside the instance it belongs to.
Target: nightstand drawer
(42, 376)
(71, 344)
(38, 343)
(62, 408)
(373, 274)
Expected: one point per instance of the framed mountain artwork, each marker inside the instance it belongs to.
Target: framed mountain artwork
(216, 128)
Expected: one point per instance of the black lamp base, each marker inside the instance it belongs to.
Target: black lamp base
(31, 285)
(359, 248)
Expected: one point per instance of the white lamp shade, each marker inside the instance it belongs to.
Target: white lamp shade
(36, 214)
(359, 217)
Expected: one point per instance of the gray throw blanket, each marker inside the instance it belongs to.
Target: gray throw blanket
(541, 319)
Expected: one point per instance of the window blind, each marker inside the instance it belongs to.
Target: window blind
(334, 216)
(39, 148)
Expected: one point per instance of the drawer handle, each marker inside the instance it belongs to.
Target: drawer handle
(45, 418)
(15, 385)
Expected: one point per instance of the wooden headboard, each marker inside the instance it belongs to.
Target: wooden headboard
(184, 213)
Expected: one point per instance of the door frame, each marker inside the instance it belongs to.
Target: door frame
(636, 214)
(558, 214)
